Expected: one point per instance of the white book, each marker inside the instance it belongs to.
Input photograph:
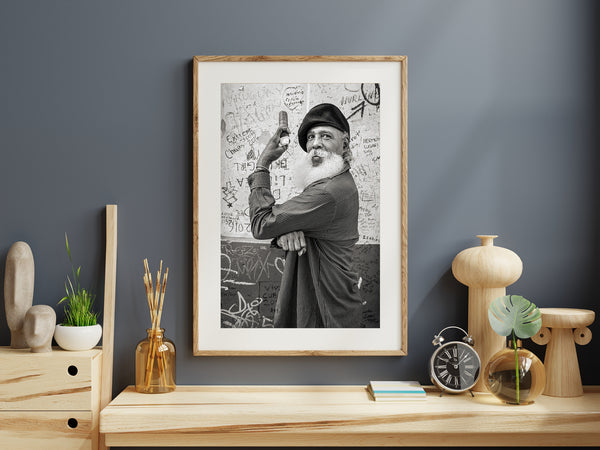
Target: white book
(396, 386)
(396, 390)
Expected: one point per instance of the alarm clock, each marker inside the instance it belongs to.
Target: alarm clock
(454, 366)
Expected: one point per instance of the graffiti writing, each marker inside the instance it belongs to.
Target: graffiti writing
(293, 97)
(244, 315)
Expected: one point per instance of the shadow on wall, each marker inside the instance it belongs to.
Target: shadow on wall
(445, 304)
(4, 330)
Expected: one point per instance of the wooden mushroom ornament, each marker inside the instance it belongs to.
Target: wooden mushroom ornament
(561, 329)
(487, 270)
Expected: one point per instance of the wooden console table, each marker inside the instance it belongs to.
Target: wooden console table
(343, 416)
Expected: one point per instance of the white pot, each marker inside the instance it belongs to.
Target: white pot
(77, 338)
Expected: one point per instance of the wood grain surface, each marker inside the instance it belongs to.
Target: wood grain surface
(42, 381)
(342, 416)
(108, 324)
(28, 430)
(49, 400)
(567, 317)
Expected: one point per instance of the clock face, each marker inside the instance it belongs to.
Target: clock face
(455, 366)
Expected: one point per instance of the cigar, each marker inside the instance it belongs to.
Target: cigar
(284, 138)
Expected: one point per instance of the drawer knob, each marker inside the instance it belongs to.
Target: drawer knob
(72, 422)
(72, 370)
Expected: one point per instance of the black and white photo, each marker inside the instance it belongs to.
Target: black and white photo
(299, 205)
(309, 209)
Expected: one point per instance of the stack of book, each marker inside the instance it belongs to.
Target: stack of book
(393, 391)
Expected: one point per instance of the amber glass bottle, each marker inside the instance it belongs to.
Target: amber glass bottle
(155, 363)
(501, 376)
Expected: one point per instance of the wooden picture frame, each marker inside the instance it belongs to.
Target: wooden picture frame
(235, 106)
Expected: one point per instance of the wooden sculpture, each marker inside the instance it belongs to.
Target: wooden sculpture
(38, 328)
(561, 329)
(18, 290)
(487, 270)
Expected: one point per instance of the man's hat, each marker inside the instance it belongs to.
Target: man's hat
(323, 114)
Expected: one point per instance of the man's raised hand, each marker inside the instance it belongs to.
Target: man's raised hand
(273, 150)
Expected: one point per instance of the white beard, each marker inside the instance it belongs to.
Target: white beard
(305, 173)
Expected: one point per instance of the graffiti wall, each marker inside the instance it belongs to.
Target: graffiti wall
(251, 269)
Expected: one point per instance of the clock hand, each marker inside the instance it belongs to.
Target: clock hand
(464, 358)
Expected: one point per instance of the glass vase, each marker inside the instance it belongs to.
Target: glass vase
(501, 376)
(155, 363)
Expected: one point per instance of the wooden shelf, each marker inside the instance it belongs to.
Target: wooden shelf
(343, 416)
(49, 400)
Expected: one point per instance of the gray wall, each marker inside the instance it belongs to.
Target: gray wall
(95, 108)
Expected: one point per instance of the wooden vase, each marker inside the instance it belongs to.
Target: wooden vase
(487, 270)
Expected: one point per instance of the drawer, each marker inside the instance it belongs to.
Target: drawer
(58, 380)
(60, 430)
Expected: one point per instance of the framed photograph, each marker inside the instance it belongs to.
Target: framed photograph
(299, 205)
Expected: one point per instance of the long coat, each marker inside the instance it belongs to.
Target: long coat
(318, 289)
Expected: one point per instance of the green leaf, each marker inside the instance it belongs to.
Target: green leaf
(67, 244)
(514, 313)
(71, 284)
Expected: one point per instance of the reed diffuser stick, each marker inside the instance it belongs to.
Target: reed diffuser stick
(162, 297)
(150, 287)
(155, 296)
(147, 286)
(162, 367)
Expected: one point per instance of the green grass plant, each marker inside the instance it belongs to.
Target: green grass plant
(79, 301)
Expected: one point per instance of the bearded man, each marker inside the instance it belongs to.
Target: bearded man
(318, 228)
